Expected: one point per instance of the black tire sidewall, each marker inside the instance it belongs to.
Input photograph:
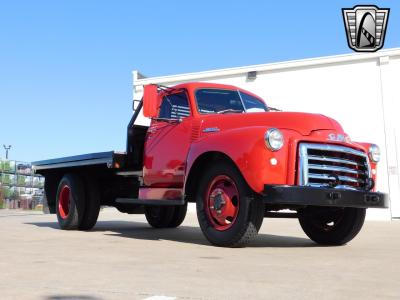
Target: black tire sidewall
(92, 205)
(50, 194)
(159, 216)
(76, 204)
(179, 216)
(247, 216)
(350, 225)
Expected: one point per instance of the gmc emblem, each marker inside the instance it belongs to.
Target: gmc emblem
(338, 138)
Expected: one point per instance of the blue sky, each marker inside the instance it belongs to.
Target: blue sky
(65, 66)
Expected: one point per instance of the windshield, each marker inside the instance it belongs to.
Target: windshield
(212, 101)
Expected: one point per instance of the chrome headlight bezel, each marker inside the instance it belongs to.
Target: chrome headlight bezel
(374, 153)
(274, 139)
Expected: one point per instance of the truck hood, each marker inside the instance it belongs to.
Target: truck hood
(303, 123)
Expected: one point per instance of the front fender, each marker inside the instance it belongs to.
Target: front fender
(246, 148)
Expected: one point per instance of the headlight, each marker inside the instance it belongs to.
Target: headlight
(274, 139)
(374, 153)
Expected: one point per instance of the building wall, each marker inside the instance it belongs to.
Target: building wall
(358, 90)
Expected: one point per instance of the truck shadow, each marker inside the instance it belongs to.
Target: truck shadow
(182, 234)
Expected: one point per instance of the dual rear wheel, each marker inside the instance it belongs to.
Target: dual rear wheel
(77, 203)
(78, 206)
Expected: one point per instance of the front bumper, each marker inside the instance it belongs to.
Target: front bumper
(314, 196)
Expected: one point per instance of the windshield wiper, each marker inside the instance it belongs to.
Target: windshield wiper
(229, 110)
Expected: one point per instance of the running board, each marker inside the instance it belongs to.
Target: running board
(160, 202)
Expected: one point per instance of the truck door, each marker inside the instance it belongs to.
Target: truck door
(167, 142)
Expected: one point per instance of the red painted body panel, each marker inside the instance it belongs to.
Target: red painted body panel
(166, 148)
(171, 149)
(246, 148)
(303, 123)
(152, 193)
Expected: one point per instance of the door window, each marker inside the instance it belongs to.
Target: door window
(175, 106)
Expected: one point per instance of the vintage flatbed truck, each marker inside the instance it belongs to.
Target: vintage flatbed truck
(239, 161)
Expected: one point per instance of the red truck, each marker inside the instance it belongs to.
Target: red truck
(224, 149)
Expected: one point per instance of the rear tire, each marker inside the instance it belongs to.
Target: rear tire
(178, 216)
(165, 216)
(229, 215)
(159, 216)
(129, 208)
(50, 194)
(70, 202)
(327, 226)
(92, 208)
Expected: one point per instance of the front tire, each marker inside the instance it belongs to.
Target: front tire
(70, 205)
(228, 214)
(332, 226)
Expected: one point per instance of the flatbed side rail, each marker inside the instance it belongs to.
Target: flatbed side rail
(110, 159)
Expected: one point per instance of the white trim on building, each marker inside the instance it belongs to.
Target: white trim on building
(139, 79)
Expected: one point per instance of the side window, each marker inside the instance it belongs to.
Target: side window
(175, 106)
(252, 104)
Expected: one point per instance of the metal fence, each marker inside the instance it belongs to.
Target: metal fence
(20, 188)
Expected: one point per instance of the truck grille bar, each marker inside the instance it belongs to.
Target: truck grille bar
(324, 165)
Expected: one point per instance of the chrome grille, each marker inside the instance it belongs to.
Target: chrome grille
(324, 165)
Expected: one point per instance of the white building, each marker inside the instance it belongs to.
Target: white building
(361, 91)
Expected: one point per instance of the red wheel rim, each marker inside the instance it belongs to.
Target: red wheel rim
(222, 202)
(63, 201)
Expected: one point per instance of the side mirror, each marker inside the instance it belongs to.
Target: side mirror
(150, 101)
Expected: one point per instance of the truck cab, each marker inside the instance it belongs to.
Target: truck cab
(239, 160)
